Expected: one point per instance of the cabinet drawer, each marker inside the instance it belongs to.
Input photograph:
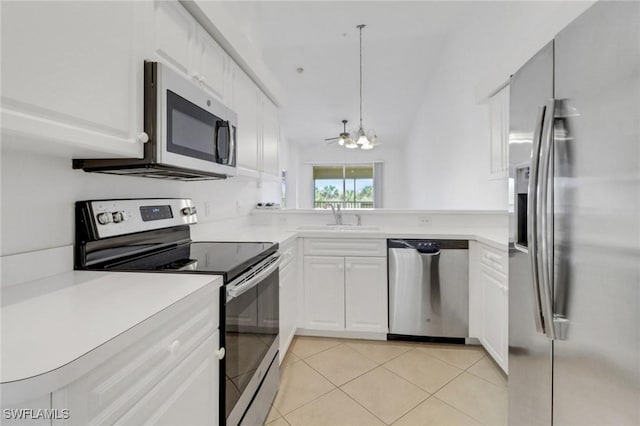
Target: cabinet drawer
(495, 259)
(108, 391)
(345, 247)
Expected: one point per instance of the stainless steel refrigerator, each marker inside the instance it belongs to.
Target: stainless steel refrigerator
(574, 258)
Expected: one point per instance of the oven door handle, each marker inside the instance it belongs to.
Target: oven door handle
(253, 278)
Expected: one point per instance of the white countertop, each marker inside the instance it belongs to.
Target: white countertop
(282, 235)
(51, 325)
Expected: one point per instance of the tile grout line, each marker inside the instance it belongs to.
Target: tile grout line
(449, 362)
(390, 359)
(360, 405)
(459, 410)
(482, 378)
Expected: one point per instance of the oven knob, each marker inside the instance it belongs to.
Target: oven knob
(104, 218)
(186, 211)
(118, 217)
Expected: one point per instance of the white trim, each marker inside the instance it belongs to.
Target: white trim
(341, 334)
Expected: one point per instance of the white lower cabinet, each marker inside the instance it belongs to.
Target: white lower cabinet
(344, 293)
(324, 292)
(366, 294)
(489, 300)
(188, 395)
(289, 286)
(169, 376)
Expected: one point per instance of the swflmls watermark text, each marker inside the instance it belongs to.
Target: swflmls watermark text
(35, 413)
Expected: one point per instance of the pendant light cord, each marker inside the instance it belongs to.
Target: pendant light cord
(361, 26)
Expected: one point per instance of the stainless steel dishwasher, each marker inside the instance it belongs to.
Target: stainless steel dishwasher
(429, 289)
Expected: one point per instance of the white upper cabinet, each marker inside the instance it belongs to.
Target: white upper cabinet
(499, 146)
(258, 128)
(270, 138)
(173, 36)
(245, 104)
(179, 41)
(72, 73)
(212, 65)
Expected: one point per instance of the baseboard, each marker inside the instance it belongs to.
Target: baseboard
(342, 334)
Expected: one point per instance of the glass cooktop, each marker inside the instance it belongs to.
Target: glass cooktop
(229, 259)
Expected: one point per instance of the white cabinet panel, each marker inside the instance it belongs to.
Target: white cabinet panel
(212, 65)
(495, 315)
(499, 126)
(72, 73)
(324, 292)
(475, 291)
(345, 247)
(270, 138)
(174, 36)
(188, 395)
(108, 391)
(288, 305)
(366, 294)
(245, 104)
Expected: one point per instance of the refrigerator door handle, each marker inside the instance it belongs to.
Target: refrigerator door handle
(544, 214)
(532, 219)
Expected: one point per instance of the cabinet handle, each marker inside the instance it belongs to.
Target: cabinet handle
(143, 137)
(348, 266)
(174, 348)
(220, 353)
(201, 80)
(195, 76)
(340, 266)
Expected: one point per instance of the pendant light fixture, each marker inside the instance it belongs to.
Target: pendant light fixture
(360, 139)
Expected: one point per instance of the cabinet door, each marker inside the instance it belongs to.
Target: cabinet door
(475, 292)
(366, 294)
(245, 104)
(499, 116)
(212, 64)
(270, 138)
(72, 72)
(494, 315)
(288, 305)
(174, 36)
(324, 292)
(188, 395)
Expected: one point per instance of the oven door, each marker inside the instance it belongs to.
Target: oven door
(194, 129)
(251, 327)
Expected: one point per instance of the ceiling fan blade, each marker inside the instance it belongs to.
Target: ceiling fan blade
(333, 139)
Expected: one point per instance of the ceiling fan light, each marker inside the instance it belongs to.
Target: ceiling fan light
(341, 142)
(366, 146)
(362, 140)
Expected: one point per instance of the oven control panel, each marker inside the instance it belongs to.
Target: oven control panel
(118, 217)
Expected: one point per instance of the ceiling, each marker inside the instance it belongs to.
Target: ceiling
(401, 44)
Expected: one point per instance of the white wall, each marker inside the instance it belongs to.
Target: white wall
(447, 152)
(393, 180)
(39, 191)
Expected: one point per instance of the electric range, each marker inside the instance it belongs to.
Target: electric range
(153, 235)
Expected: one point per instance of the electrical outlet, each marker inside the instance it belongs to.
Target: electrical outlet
(424, 220)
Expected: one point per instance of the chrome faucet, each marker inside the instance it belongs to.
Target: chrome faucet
(337, 215)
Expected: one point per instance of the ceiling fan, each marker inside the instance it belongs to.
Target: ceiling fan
(343, 138)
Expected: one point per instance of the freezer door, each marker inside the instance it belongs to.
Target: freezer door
(596, 366)
(529, 350)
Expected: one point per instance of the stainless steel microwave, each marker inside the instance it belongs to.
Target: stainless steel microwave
(191, 135)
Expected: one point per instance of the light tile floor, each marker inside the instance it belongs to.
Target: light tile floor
(358, 382)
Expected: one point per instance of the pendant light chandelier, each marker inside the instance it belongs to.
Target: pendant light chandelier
(360, 139)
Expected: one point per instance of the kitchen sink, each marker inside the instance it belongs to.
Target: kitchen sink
(338, 228)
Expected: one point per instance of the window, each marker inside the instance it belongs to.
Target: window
(350, 186)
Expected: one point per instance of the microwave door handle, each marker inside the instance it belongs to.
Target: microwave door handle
(532, 219)
(223, 125)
